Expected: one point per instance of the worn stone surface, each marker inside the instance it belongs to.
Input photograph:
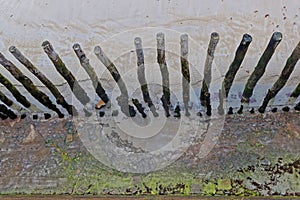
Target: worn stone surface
(257, 154)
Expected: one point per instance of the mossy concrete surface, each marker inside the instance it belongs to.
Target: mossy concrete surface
(256, 155)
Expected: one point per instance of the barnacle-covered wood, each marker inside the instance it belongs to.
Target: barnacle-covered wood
(68, 76)
(29, 86)
(161, 60)
(5, 99)
(141, 75)
(214, 39)
(186, 79)
(14, 91)
(85, 63)
(123, 99)
(261, 66)
(296, 91)
(283, 78)
(59, 98)
(236, 63)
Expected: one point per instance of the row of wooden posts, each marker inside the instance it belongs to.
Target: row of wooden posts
(7, 106)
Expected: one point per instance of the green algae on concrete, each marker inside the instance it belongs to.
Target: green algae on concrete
(168, 182)
(224, 184)
(209, 188)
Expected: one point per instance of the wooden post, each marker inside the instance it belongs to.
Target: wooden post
(59, 98)
(13, 90)
(297, 107)
(296, 92)
(85, 63)
(261, 66)
(5, 99)
(214, 39)
(208, 105)
(221, 102)
(29, 86)
(236, 63)
(127, 109)
(7, 112)
(161, 60)
(177, 111)
(185, 72)
(139, 107)
(78, 91)
(230, 111)
(283, 78)
(3, 116)
(240, 111)
(141, 75)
